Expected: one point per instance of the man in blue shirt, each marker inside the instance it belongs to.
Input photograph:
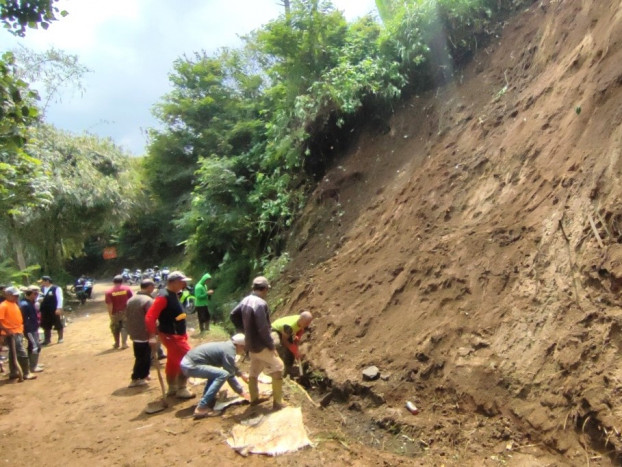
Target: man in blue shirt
(215, 361)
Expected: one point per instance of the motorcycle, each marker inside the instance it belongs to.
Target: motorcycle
(187, 300)
(137, 276)
(126, 276)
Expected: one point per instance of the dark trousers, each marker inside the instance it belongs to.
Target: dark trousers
(204, 317)
(142, 360)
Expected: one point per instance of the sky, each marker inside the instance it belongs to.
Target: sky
(130, 47)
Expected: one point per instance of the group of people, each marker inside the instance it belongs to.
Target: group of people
(22, 312)
(162, 320)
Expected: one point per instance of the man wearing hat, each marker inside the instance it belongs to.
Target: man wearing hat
(215, 361)
(136, 310)
(12, 327)
(51, 310)
(171, 328)
(116, 302)
(252, 315)
(31, 326)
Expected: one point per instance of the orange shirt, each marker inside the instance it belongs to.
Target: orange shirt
(11, 317)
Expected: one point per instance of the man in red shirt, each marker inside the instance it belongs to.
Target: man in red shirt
(171, 328)
(116, 301)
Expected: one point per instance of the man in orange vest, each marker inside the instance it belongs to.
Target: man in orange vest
(12, 327)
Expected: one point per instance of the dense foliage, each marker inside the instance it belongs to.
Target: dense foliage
(249, 131)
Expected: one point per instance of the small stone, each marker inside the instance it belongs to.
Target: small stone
(371, 373)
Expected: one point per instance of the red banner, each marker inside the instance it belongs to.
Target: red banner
(110, 252)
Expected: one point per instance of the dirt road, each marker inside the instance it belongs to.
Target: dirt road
(79, 411)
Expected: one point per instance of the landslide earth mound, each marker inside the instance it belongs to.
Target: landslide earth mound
(473, 252)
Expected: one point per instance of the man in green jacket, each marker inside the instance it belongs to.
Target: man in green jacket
(202, 296)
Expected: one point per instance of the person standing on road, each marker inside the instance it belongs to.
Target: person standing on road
(215, 361)
(12, 327)
(253, 315)
(290, 329)
(136, 310)
(31, 326)
(171, 318)
(202, 297)
(116, 302)
(51, 310)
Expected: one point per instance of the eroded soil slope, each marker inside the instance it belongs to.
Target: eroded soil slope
(473, 252)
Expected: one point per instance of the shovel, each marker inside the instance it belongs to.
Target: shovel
(157, 406)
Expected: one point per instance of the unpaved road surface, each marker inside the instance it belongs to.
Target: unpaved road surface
(79, 411)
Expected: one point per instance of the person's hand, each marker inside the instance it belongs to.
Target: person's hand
(210, 292)
(153, 344)
(59, 312)
(246, 396)
(244, 377)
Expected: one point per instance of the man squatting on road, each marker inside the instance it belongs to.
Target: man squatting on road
(136, 309)
(116, 302)
(253, 315)
(171, 318)
(215, 361)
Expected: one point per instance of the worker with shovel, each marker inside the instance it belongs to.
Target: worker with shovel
(253, 315)
(290, 329)
(215, 361)
(171, 328)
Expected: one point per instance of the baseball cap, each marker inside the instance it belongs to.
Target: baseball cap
(261, 281)
(146, 283)
(46, 278)
(12, 291)
(33, 288)
(178, 276)
(238, 339)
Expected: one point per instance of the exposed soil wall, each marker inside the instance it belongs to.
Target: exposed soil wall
(473, 253)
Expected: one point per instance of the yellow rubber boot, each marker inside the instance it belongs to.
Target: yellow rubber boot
(277, 391)
(253, 390)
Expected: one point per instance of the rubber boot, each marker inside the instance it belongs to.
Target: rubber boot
(47, 336)
(253, 390)
(182, 390)
(124, 338)
(172, 385)
(277, 391)
(117, 339)
(61, 332)
(33, 360)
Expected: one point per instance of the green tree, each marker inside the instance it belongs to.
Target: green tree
(87, 188)
(17, 15)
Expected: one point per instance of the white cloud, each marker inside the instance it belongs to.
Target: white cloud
(130, 45)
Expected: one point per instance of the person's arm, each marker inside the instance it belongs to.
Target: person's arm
(262, 323)
(59, 300)
(109, 303)
(153, 313)
(230, 366)
(236, 317)
(151, 317)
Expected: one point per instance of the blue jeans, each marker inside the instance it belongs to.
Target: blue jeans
(215, 376)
